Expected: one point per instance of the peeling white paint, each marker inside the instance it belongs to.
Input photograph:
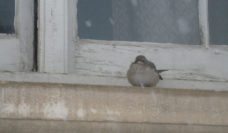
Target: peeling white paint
(81, 113)
(56, 110)
(16, 50)
(188, 62)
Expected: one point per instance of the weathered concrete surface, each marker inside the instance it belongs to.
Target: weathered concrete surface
(113, 104)
(28, 126)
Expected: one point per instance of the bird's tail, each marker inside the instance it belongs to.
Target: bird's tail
(160, 71)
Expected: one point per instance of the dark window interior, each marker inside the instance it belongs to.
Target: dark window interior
(7, 13)
(164, 21)
(218, 20)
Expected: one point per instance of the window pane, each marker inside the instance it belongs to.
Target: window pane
(173, 21)
(218, 19)
(7, 12)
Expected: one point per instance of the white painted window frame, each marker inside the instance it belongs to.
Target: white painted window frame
(60, 51)
(16, 50)
(57, 35)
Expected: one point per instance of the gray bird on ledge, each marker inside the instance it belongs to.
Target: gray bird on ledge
(143, 73)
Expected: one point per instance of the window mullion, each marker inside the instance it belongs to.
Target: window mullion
(55, 35)
(204, 22)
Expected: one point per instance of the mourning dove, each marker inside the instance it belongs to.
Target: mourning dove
(143, 73)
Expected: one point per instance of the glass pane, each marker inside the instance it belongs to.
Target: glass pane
(218, 20)
(172, 21)
(7, 12)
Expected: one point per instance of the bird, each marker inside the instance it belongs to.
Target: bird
(143, 73)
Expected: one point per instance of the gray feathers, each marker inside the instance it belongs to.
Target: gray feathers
(143, 73)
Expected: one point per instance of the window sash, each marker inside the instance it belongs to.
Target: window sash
(85, 57)
(57, 32)
(16, 50)
(204, 22)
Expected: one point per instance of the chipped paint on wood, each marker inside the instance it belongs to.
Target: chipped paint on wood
(57, 32)
(16, 51)
(184, 62)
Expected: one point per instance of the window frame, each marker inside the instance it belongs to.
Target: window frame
(60, 56)
(16, 50)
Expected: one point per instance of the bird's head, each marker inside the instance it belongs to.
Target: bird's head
(140, 59)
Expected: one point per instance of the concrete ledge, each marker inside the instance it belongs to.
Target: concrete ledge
(37, 126)
(32, 101)
(37, 77)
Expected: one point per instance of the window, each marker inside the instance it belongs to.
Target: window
(218, 21)
(162, 21)
(16, 35)
(100, 52)
(7, 12)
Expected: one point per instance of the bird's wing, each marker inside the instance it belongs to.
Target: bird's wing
(160, 77)
(151, 64)
(160, 71)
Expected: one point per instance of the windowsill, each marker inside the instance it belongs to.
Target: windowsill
(7, 36)
(91, 103)
(21, 126)
(35, 77)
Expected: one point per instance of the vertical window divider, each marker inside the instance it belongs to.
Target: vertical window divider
(204, 23)
(56, 35)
